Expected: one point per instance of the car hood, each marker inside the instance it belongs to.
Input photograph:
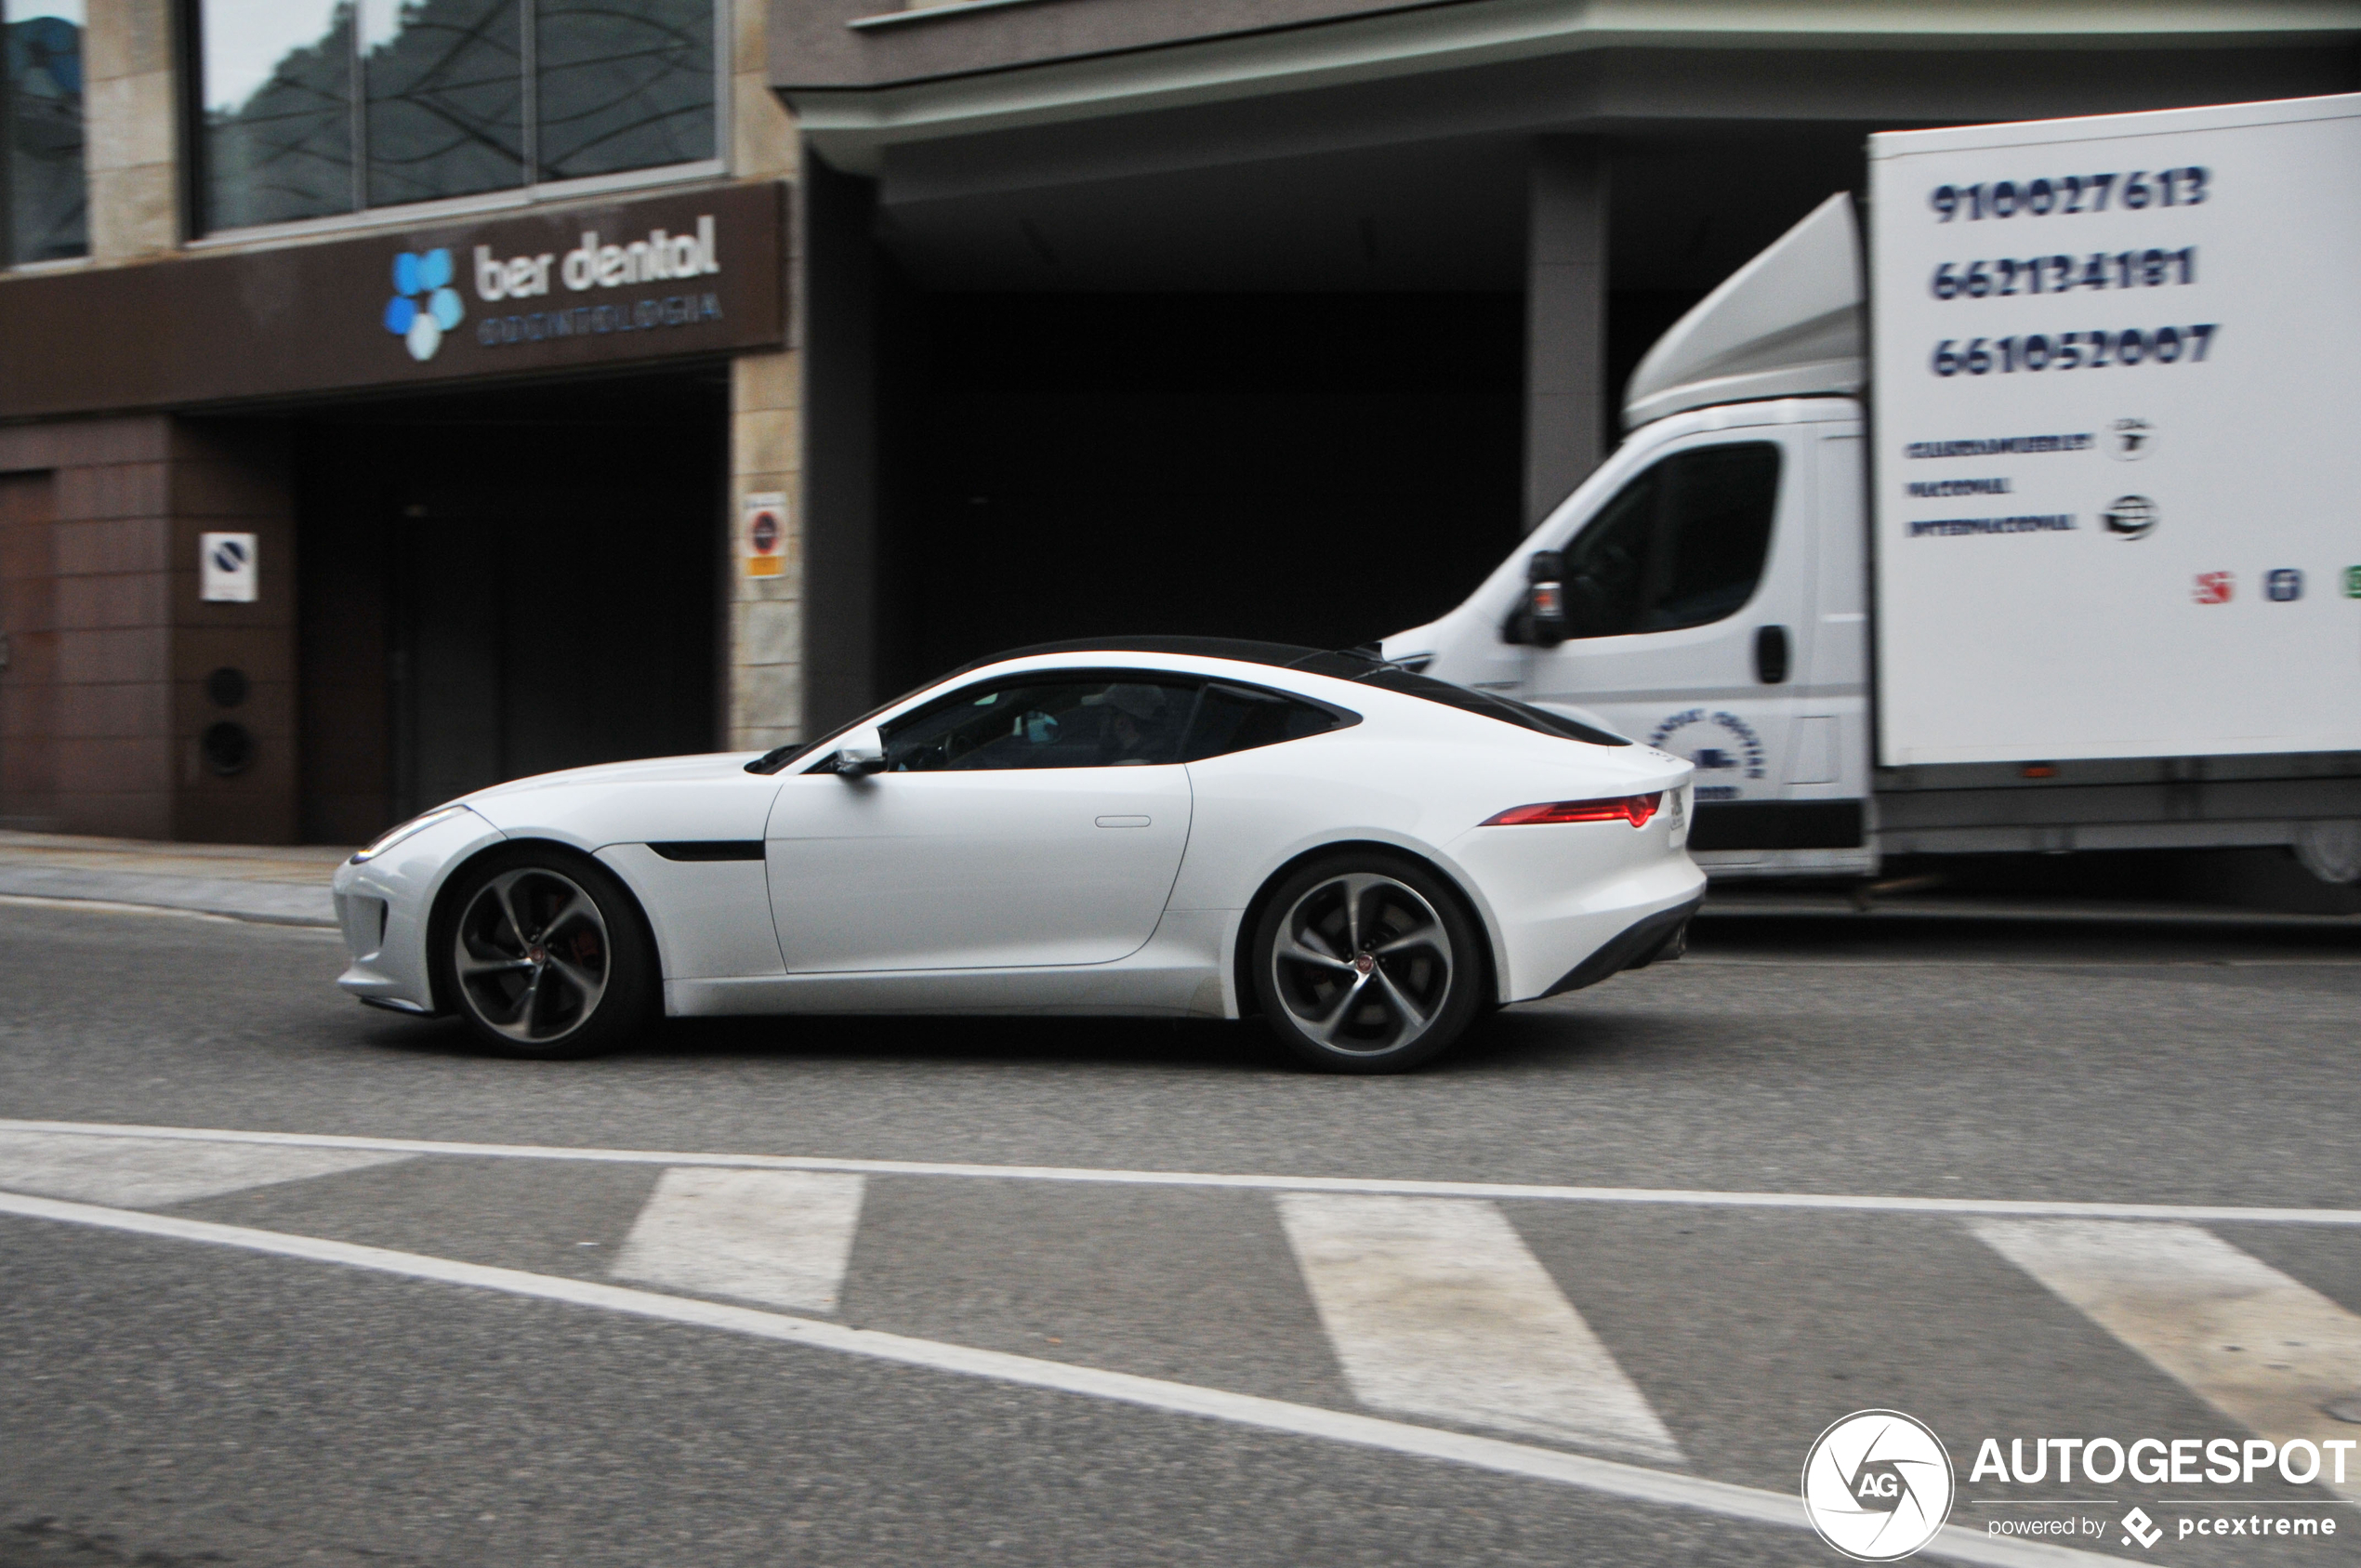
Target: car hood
(651, 770)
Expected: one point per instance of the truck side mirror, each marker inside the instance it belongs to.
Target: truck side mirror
(1545, 600)
(861, 752)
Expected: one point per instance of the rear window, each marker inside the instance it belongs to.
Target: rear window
(1507, 710)
(1242, 718)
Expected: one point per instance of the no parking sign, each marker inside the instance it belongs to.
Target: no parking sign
(228, 568)
(766, 534)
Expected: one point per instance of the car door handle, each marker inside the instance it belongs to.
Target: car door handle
(1125, 821)
(1770, 654)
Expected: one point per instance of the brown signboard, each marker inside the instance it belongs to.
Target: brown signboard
(694, 272)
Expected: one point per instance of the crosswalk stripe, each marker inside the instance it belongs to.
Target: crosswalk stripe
(1608, 1477)
(783, 1237)
(148, 1175)
(2264, 1349)
(1437, 1307)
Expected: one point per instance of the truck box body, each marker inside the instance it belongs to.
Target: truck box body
(2118, 488)
(2096, 523)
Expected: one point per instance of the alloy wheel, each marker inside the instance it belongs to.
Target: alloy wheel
(531, 956)
(1362, 963)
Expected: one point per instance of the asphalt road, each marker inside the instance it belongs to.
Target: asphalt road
(193, 1396)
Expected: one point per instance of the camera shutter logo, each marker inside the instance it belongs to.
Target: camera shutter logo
(1878, 1485)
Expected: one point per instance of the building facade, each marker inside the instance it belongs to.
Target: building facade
(396, 399)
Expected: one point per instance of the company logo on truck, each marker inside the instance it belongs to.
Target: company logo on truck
(1692, 733)
(2129, 439)
(2130, 517)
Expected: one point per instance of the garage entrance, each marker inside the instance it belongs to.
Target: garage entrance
(496, 585)
(1312, 468)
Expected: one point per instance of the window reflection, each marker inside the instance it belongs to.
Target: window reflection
(446, 105)
(40, 96)
(447, 98)
(278, 111)
(625, 85)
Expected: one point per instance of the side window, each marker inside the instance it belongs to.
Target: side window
(1682, 544)
(1046, 721)
(1239, 719)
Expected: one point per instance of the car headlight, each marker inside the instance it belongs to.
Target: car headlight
(393, 836)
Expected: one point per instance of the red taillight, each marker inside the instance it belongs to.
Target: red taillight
(1633, 808)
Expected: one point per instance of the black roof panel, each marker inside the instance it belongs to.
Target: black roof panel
(1283, 655)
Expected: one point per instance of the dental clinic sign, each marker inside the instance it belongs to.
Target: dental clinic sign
(697, 270)
(666, 273)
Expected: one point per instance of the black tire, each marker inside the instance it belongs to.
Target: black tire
(557, 962)
(1364, 961)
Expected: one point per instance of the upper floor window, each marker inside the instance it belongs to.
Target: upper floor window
(43, 190)
(315, 107)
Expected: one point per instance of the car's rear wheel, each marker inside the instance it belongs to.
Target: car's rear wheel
(1367, 962)
(544, 956)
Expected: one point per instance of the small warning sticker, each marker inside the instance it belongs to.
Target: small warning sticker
(765, 533)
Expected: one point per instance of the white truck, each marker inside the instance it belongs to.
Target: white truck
(2050, 539)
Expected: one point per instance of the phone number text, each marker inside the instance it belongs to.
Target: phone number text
(2125, 268)
(2073, 350)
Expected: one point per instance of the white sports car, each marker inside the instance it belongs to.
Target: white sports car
(1366, 857)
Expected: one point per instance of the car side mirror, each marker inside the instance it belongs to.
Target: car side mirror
(1545, 600)
(860, 752)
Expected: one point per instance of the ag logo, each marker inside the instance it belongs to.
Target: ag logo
(2132, 517)
(1878, 1485)
(424, 305)
(2130, 440)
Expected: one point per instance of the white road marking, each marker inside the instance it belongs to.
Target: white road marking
(1437, 1308)
(2027, 1208)
(2264, 1349)
(779, 1236)
(109, 1170)
(1610, 1477)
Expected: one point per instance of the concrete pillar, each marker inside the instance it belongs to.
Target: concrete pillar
(763, 675)
(766, 683)
(127, 114)
(1565, 412)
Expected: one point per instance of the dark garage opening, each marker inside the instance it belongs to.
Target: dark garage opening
(1312, 468)
(498, 583)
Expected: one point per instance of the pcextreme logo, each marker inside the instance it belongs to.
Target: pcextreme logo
(1878, 1485)
(424, 305)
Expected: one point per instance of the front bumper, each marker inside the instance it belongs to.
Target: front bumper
(382, 906)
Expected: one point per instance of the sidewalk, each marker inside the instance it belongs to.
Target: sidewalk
(280, 886)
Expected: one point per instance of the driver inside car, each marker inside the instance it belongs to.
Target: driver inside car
(1139, 725)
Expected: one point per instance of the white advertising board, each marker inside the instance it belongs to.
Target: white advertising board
(2116, 401)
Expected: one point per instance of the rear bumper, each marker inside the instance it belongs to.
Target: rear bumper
(1637, 944)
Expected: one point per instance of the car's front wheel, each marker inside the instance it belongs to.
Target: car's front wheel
(544, 956)
(1367, 962)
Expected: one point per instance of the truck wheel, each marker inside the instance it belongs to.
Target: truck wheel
(1367, 962)
(545, 956)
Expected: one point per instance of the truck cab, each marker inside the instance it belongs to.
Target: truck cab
(1704, 590)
